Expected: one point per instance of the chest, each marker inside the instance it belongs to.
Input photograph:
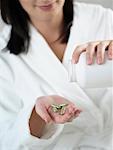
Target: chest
(58, 49)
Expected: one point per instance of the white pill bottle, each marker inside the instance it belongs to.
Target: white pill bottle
(91, 76)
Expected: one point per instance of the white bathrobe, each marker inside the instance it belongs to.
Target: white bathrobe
(26, 77)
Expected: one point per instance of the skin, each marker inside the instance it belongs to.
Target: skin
(47, 22)
(47, 18)
(91, 52)
(44, 105)
(43, 114)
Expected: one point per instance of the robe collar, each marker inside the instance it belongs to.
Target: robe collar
(43, 61)
(45, 64)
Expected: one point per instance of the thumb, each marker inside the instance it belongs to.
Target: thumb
(43, 113)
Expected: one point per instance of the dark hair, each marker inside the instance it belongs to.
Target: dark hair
(12, 13)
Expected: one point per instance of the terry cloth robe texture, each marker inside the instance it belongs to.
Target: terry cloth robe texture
(25, 77)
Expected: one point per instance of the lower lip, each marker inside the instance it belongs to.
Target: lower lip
(46, 8)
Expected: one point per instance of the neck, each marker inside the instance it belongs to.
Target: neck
(50, 29)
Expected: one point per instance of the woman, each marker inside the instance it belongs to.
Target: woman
(37, 100)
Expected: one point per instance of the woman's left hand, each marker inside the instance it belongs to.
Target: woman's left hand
(97, 48)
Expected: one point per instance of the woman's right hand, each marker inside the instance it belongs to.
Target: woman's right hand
(44, 109)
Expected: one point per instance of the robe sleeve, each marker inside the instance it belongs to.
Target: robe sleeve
(14, 119)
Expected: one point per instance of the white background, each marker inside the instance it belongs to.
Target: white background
(105, 3)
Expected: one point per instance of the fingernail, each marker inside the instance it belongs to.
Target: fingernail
(77, 114)
(99, 61)
(110, 56)
(72, 61)
(89, 61)
(76, 61)
(80, 111)
(46, 120)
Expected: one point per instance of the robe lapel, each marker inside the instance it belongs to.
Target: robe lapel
(44, 63)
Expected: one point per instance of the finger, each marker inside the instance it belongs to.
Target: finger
(42, 111)
(69, 116)
(70, 120)
(77, 52)
(76, 114)
(110, 50)
(66, 118)
(70, 108)
(90, 52)
(101, 51)
(58, 118)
